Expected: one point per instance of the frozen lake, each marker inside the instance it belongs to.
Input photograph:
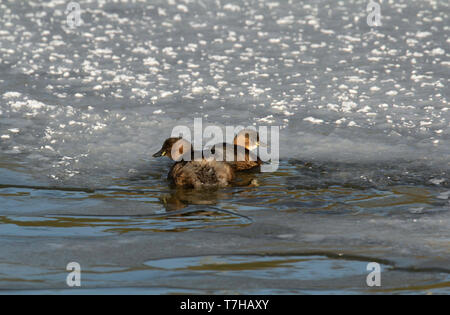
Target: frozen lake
(364, 146)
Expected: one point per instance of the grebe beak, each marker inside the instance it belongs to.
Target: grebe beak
(160, 153)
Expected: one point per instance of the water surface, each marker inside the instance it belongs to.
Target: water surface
(364, 147)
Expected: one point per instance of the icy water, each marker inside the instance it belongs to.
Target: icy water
(365, 146)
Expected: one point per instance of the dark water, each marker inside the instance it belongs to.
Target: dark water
(298, 231)
(364, 146)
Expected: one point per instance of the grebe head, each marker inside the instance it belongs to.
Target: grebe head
(175, 149)
(248, 138)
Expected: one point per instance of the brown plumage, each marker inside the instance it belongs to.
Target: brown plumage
(194, 173)
(201, 174)
(242, 158)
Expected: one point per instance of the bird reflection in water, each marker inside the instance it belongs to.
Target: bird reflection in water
(180, 198)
